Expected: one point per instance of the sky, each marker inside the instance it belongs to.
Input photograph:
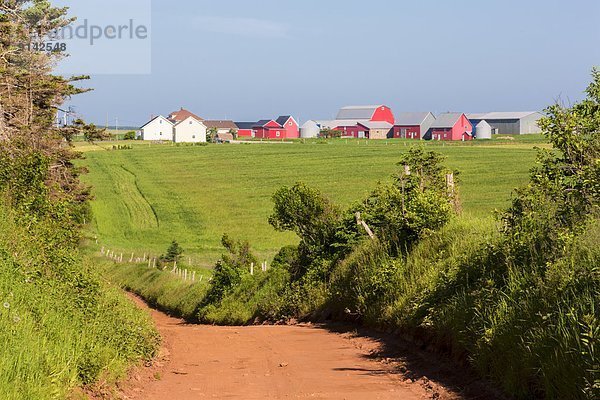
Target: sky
(249, 60)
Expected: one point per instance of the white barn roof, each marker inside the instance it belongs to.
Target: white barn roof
(357, 112)
(446, 120)
(503, 115)
(411, 118)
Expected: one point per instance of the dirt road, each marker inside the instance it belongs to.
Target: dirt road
(272, 362)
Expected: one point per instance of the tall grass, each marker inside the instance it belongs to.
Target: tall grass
(59, 333)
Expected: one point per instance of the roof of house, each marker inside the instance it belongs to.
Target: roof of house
(281, 120)
(264, 122)
(357, 112)
(245, 125)
(220, 124)
(503, 115)
(483, 124)
(182, 114)
(154, 119)
(446, 120)
(188, 118)
(377, 125)
(411, 118)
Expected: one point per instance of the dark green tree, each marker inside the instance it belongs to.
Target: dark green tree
(173, 254)
(564, 190)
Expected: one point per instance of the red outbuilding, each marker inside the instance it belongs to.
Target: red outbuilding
(412, 125)
(292, 128)
(284, 127)
(451, 126)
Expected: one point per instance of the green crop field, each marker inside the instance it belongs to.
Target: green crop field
(148, 196)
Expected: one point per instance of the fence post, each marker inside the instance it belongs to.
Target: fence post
(251, 268)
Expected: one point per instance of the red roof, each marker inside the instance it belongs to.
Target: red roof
(178, 116)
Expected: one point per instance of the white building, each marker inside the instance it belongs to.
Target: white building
(510, 123)
(190, 130)
(310, 129)
(158, 128)
(483, 130)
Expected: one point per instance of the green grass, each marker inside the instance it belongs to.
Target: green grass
(61, 325)
(153, 194)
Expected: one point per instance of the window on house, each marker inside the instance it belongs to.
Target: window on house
(278, 134)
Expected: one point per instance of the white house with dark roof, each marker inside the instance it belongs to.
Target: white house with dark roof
(190, 130)
(157, 129)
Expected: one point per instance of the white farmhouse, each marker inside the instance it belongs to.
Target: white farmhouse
(158, 128)
(190, 130)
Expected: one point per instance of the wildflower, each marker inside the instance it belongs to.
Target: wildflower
(16, 319)
(7, 305)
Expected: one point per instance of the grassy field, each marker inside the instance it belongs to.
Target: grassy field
(152, 194)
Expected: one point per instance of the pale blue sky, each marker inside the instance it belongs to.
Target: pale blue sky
(247, 60)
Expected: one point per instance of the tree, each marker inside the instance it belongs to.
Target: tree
(129, 135)
(416, 202)
(211, 135)
(174, 253)
(306, 212)
(564, 189)
(230, 269)
(328, 133)
(30, 97)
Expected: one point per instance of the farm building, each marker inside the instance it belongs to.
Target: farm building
(269, 129)
(292, 128)
(510, 123)
(310, 129)
(413, 125)
(354, 121)
(451, 126)
(284, 127)
(483, 130)
(221, 126)
(158, 128)
(348, 128)
(376, 129)
(378, 113)
(182, 114)
(190, 130)
(246, 129)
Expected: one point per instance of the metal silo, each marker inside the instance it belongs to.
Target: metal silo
(484, 130)
(309, 130)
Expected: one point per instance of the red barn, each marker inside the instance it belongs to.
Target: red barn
(451, 126)
(413, 125)
(367, 113)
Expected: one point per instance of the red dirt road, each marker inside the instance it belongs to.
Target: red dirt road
(270, 362)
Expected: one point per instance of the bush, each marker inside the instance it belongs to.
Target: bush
(129, 135)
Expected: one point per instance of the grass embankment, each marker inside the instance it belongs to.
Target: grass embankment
(61, 325)
(152, 194)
